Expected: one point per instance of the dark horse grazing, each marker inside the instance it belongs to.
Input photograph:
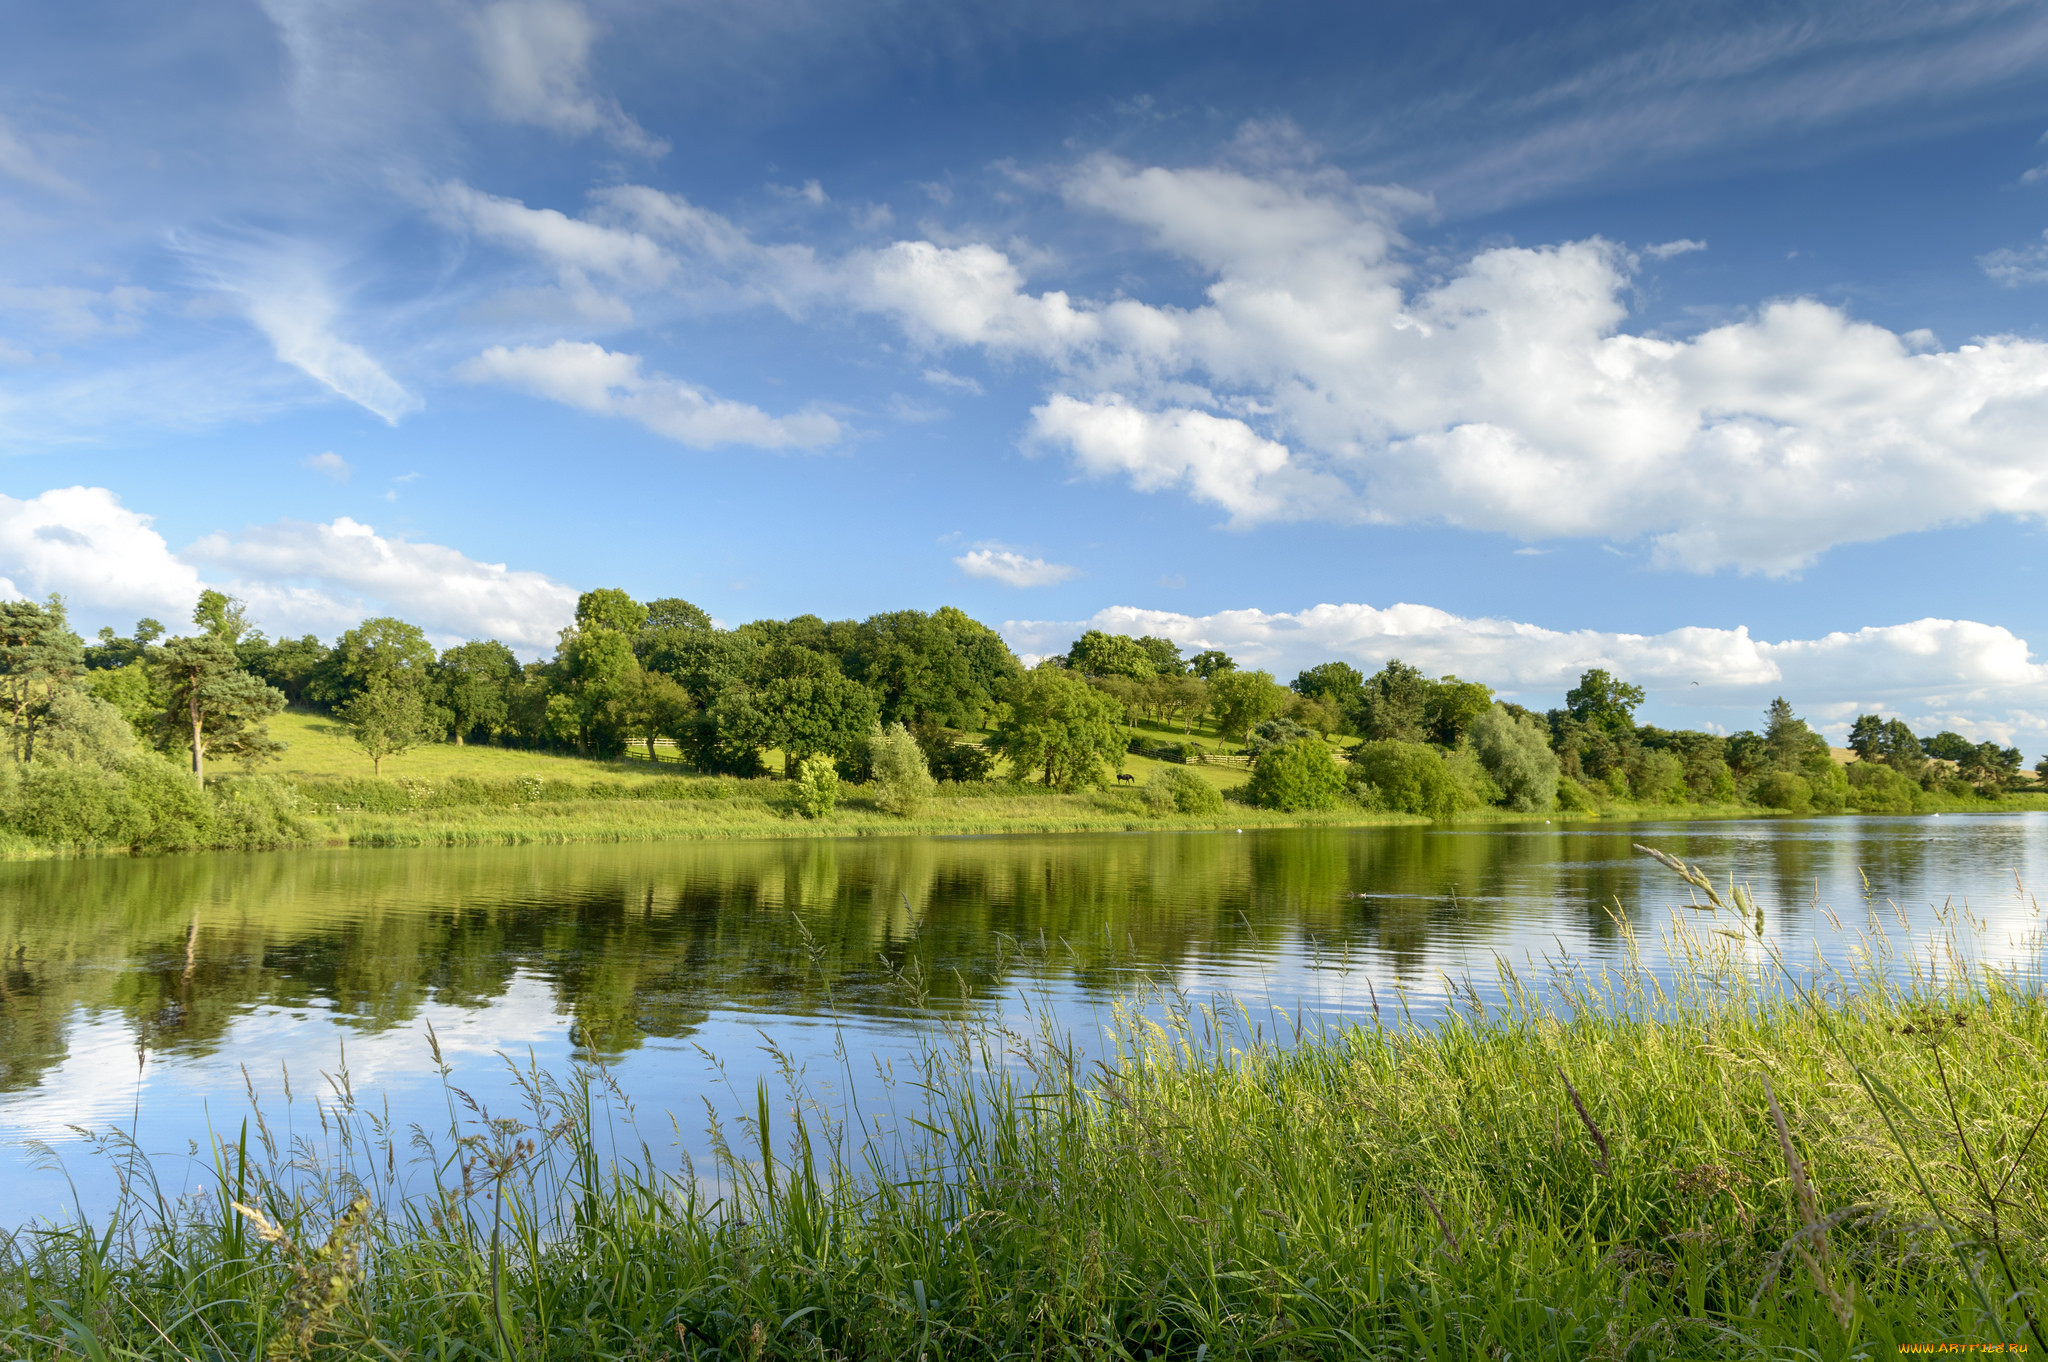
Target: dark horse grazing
(1124, 776)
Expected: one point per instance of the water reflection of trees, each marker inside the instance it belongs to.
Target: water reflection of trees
(645, 941)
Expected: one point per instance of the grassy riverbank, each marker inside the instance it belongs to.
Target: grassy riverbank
(1716, 1168)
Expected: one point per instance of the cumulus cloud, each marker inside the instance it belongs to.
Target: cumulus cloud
(100, 555)
(1937, 673)
(588, 376)
(110, 564)
(577, 248)
(536, 58)
(994, 563)
(1322, 376)
(337, 573)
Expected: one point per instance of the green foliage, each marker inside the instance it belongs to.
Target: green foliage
(1098, 654)
(1408, 777)
(211, 705)
(385, 720)
(1182, 792)
(1240, 701)
(128, 689)
(1786, 790)
(1659, 778)
(673, 612)
(901, 780)
(474, 680)
(1875, 787)
(1211, 663)
(80, 727)
(1604, 701)
(175, 814)
(39, 657)
(1273, 733)
(610, 608)
(221, 616)
(1450, 706)
(1515, 750)
(816, 786)
(1574, 797)
(952, 760)
(1296, 776)
(1339, 683)
(383, 650)
(1059, 726)
(290, 664)
(70, 805)
(1165, 656)
(1394, 704)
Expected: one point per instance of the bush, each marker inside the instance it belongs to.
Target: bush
(816, 785)
(1659, 778)
(902, 782)
(1784, 790)
(1275, 733)
(76, 805)
(1296, 776)
(1515, 750)
(1876, 788)
(257, 811)
(1171, 792)
(1407, 777)
(1574, 797)
(175, 813)
(83, 729)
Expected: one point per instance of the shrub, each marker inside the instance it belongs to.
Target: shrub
(1785, 790)
(1407, 777)
(76, 805)
(1659, 778)
(83, 729)
(176, 815)
(1876, 788)
(1171, 792)
(816, 785)
(902, 781)
(1295, 776)
(257, 811)
(1574, 797)
(1515, 750)
(1275, 733)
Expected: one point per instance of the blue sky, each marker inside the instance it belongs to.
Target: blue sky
(1702, 342)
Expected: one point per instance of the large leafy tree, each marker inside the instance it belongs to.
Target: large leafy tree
(1395, 704)
(1211, 662)
(1241, 701)
(475, 679)
(917, 668)
(1604, 701)
(211, 704)
(1060, 727)
(387, 651)
(1096, 653)
(1451, 707)
(220, 615)
(610, 608)
(599, 673)
(288, 664)
(39, 656)
(1338, 684)
(673, 612)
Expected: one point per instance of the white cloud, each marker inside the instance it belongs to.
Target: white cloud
(575, 246)
(328, 464)
(1664, 250)
(2016, 267)
(996, 564)
(101, 556)
(536, 57)
(111, 565)
(940, 378)
(585, 375)
(1978, 678)
(1318, 379)
(299, 574)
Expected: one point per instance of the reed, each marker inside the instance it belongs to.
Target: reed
(1736, 1159)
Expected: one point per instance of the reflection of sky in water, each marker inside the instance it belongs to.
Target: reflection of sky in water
(1290, 927)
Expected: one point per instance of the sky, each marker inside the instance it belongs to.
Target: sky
(1701, 342)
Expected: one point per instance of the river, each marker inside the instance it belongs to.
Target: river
(157, 995)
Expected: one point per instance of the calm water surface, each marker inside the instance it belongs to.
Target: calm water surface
(159, 994)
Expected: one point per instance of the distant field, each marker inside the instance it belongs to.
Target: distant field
(321, 750)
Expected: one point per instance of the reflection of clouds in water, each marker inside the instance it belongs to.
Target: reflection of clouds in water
(95, 1085)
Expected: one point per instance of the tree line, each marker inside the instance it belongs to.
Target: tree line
(906, 698)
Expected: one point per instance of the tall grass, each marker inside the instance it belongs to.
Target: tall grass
(1735, 1160)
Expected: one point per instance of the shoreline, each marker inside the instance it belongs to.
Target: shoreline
(746, 816)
